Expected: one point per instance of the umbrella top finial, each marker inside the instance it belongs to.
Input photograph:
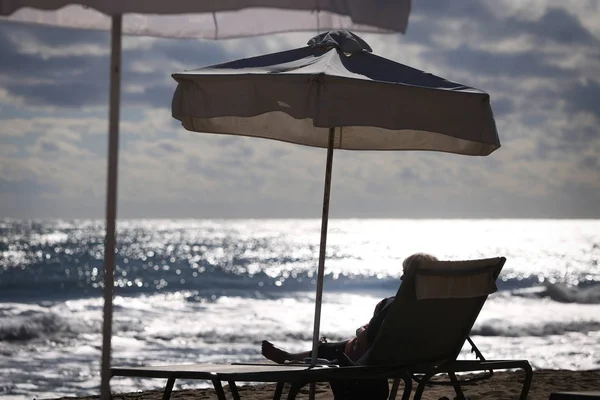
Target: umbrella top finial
(346, 41)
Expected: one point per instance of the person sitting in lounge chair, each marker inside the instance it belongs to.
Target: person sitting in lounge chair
(352, 348)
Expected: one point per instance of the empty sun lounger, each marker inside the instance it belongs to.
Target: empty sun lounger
(422, 335)
(259, 372)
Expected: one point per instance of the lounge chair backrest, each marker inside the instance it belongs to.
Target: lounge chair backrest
(434, 311)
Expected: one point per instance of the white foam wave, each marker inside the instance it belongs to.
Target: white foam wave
(502, 328)
(26, 323)
(566, 294)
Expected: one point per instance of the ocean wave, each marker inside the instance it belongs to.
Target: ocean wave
(505, 329)
(219, 337)
(584, 294)
(566, 294)
(39, 325)
(491, 328)
(58, 260)
(216, 282)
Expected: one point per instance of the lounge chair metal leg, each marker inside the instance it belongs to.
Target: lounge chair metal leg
(528, 379)
(233, 390)
(394, 389)
(219, 389)
(459, 393)
(407, 387)
(278, 390)
(168, 389)
(421, 385)
(294, 390)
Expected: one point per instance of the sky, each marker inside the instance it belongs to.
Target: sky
(538, 60)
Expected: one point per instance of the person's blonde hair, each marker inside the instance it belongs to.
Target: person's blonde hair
(417, 257)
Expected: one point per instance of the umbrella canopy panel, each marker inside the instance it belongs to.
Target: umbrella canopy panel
(336, 82)
(214, 19)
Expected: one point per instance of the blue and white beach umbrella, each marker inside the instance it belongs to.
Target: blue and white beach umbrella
(334, 93)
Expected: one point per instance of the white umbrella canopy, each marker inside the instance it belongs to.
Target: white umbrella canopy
(214, 19)
(217, 19)
(335, 94)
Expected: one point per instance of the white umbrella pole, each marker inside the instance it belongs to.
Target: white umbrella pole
(322, 249)
(111, 202)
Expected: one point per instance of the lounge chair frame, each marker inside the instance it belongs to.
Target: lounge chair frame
(298, 377)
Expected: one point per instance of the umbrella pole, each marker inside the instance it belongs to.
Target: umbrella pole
(111, 202)
(322, 249)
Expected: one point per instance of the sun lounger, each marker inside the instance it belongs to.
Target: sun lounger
(430, 320)
(296, 374)
(423, 334)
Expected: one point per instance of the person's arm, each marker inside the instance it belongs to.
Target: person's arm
(375, 323)
(360, 330)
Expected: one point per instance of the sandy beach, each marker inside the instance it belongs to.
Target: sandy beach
(502, 386)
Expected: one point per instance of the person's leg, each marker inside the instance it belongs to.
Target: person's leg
(329, 351)
(280, 356)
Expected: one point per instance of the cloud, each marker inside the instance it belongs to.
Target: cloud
(584, 97)
(70, 94)
(26, 187)
(540, 63)
(561, 22)
(67, 127)
(503, 105)
(50, 67)
(509, 65)
(560, 26)
(585, 11)
(494, 41)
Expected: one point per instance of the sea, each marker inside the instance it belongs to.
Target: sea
(195, 291)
